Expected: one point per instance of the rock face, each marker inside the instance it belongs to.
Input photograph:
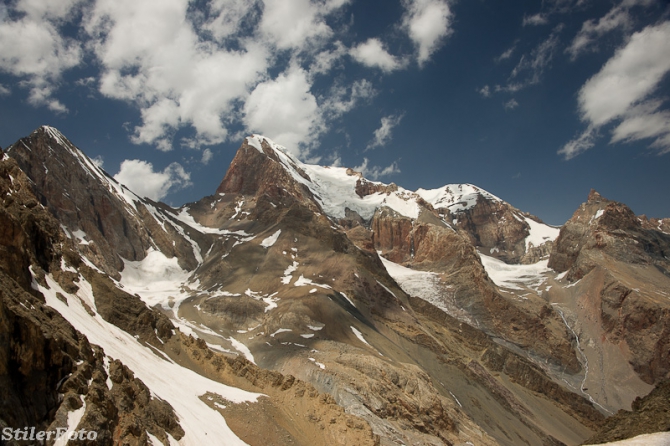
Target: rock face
(47, 368)
(393, 235)
(428, 243)
(365, 187)
(640, 323)
(109, 221)
(659, 224)
(624, 259)
(649, 414)
(298, 269)
(604, 227)
(26, 229)
(496, 227)
(262, 173)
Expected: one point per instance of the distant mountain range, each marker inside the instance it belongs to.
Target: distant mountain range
(304, 304)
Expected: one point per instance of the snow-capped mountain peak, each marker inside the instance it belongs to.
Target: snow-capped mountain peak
(337, 189)
(455, 197)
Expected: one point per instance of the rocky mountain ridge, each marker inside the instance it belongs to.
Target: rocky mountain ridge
(430, 317)
(53, 377)
(345, 195)
(622, 261)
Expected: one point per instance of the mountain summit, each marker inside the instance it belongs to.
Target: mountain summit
(332, 308)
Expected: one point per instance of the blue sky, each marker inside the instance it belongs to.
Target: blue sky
(535, 101)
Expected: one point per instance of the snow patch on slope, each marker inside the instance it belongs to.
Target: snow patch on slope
(255, 142)
(428, 286)
(156, 278)
(304, 281)
(73, 419)
(186, 218)
(177, 385)
(336, 190)
(237, 345)
(415, 283)
(359, 335)
(269, 241)
(288, 273)
(657, 439)
(515, 276)
(269, 299)
(540, 233)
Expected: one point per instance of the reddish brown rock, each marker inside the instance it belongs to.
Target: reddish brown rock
(626, 260)
(429, 244)
(252, 173)
(392, 235)
(601, 226)
(500, 231)
(365, 187)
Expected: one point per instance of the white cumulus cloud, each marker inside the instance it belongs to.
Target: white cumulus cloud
(485, 91)
(373, 54)
(326, 59)
(629, 76)
(342, 99)
(140, 177)
(207, 156)
(152, 57)
(645, 121)
(284, 109)
(427, 22)
(98, 161)
(535, 20)
(225, 17)
(209, 69)
(511, 104)
(298, 24)
(32, 48)
(212, 71)
(621, 91)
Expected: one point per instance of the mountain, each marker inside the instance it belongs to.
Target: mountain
(334, 309)
(617, 266)
(109, 221)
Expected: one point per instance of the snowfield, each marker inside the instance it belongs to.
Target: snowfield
(540, 233)
(515, 276)
(359, 335)
(156, 279)
(423, 284)
(179, 386)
